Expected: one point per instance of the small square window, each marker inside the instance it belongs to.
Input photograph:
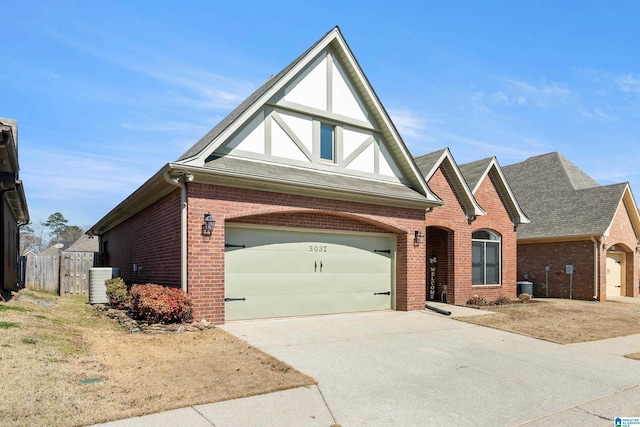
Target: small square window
(327, 142)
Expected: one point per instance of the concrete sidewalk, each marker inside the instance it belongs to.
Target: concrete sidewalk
(303, 406)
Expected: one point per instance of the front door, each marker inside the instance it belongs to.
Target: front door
(615, 274)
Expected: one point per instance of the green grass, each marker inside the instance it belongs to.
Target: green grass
(7, 325)
(13, 307)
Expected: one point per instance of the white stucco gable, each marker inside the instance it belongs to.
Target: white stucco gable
(318, 113)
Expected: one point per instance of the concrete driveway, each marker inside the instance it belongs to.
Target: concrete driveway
(418, 368)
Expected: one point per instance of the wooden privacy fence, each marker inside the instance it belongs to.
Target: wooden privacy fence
(66, 274)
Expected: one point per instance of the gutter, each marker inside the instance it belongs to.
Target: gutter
(595, 267)
(180, 182)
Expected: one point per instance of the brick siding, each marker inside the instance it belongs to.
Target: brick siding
(532, 259)
(449, 239)
(151, 238)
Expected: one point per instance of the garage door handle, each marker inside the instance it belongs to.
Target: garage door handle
(382, 293)
(234, 299)
(315, 268)
(229, 245)
(618, 286)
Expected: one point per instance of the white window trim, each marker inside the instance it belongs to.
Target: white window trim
(485, 241)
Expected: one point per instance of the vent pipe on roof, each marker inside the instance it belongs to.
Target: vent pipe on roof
(180, 182)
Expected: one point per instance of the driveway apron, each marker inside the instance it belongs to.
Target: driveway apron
(416, 368)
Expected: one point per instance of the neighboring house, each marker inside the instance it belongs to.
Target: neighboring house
(56, 248)
(13, 204)
(303, 200)
(582, 241)
(471, 241)
(85, 244)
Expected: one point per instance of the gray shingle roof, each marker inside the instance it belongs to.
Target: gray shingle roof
(299, 177)
(84, 244)
(560, 199)
(426, 162)
(473, 171)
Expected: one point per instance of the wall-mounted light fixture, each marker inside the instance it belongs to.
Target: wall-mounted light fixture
(418, 237)
(208, 224)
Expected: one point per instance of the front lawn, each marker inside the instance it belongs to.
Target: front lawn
(63, 364)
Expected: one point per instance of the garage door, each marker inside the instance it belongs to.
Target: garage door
(282, 272)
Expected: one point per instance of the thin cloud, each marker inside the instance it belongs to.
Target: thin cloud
(598, 114)
(208, 90)
(540, 95)
(506, 100)
(629, 84)
(407, 123)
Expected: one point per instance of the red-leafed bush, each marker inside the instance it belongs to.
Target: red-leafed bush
(159, 304)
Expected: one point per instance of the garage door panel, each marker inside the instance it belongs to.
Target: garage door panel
(292, 261)
(265, 261)
(289, 273)
(251, 284)
(304, 305)
(358, 262)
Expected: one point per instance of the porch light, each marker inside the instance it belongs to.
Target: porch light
(418, 237)
(209, 222)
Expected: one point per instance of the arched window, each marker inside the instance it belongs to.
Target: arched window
(486, 258)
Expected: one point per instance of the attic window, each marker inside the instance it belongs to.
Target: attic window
(327, 142)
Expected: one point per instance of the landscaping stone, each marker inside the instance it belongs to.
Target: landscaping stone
(122, 317)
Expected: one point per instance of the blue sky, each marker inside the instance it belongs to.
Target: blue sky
(107, 92)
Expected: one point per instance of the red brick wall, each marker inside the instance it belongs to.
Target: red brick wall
(498, 220)
(532, 259)
(457, 262)
(454, 260)
(226, 204)
(150, 239)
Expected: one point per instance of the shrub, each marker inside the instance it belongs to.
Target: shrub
(524, 297)
(502, 300)
(116, 292)
(476, 300)
(159, 304)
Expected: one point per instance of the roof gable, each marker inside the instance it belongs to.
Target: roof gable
(476, 172)
(628, 202)
(280, 122)
(430, 163)
(85, 243)
(563, 201)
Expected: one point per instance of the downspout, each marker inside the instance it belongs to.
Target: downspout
(183, 223)
(595, 268)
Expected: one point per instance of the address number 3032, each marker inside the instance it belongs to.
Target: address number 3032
(318, 248)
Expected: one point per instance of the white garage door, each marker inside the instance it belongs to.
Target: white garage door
(282, 272)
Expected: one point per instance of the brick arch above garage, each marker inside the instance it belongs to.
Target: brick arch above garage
(317, 219)
(232, 204)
